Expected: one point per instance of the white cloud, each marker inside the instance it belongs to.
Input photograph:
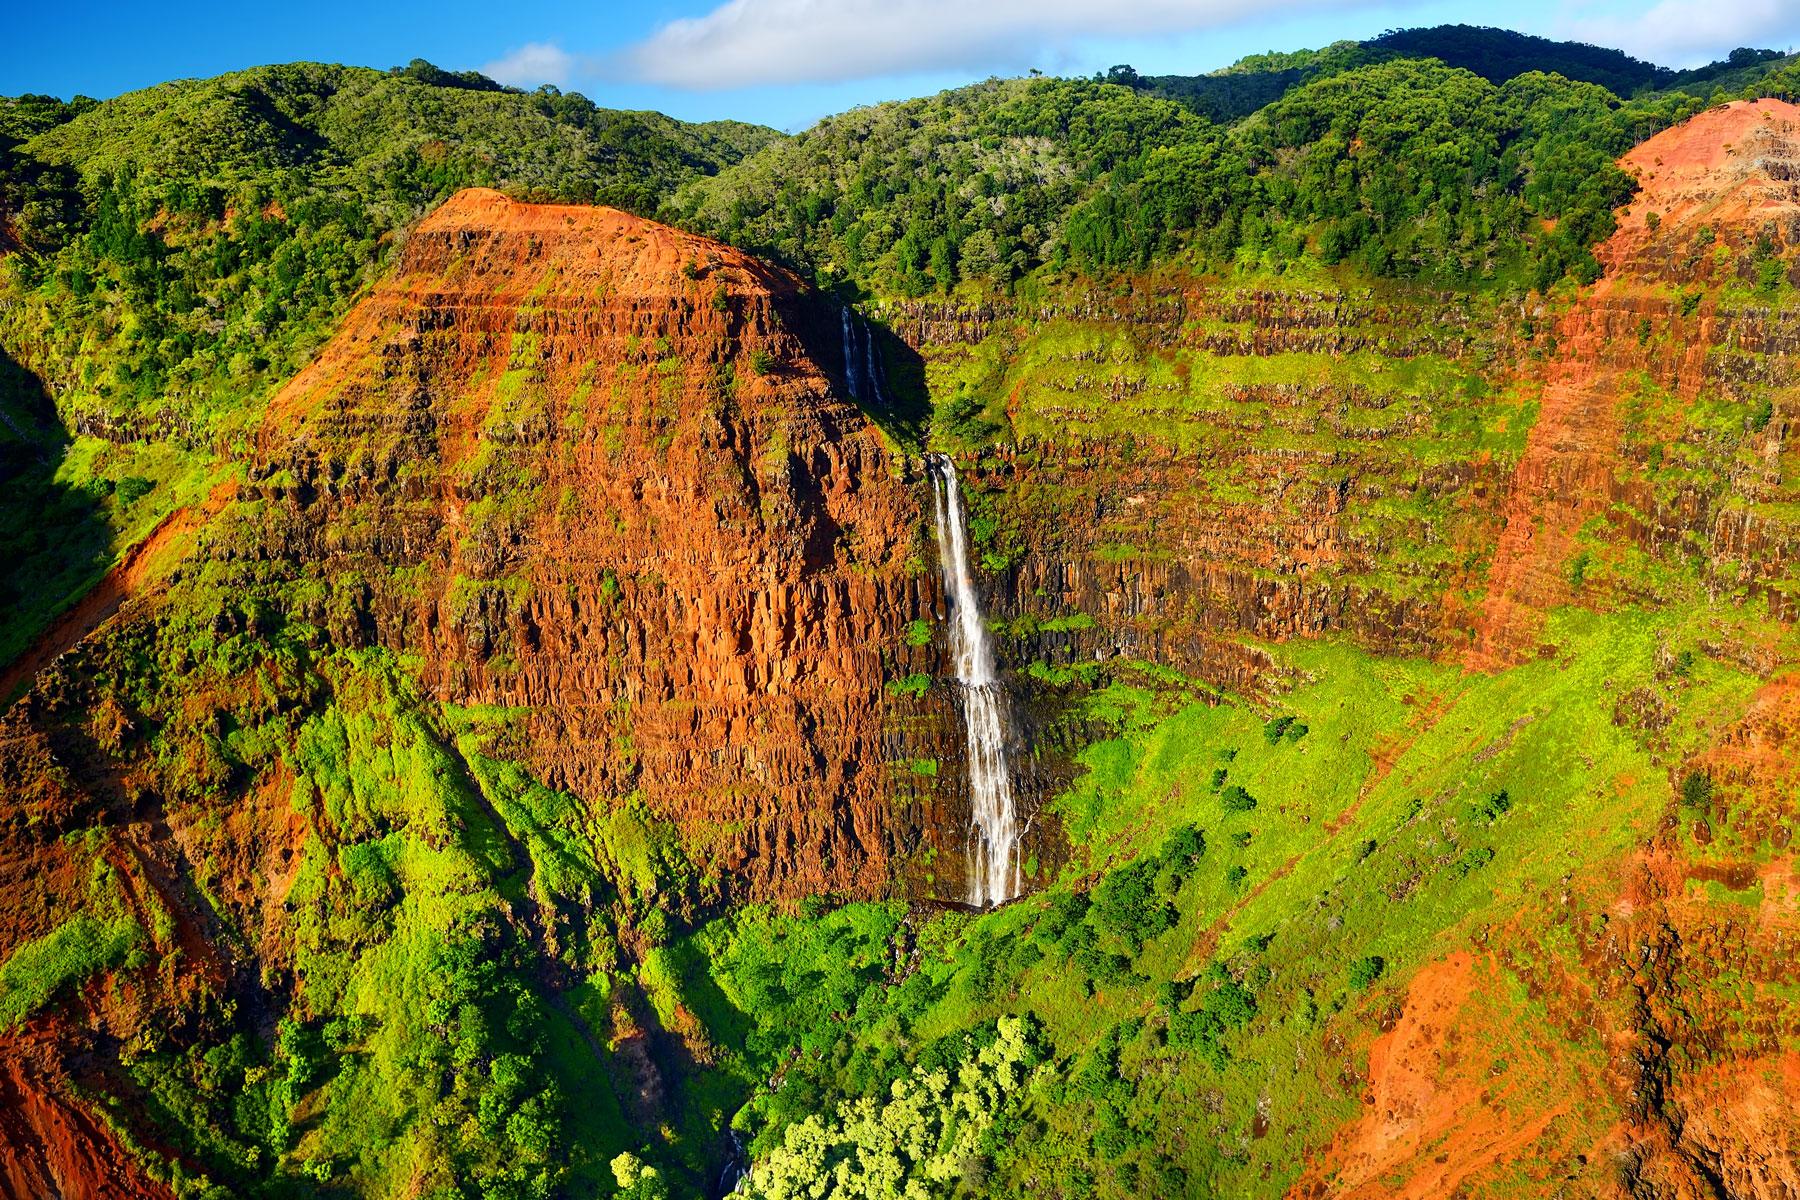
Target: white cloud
(1687, 33)
(748, 42)
(532, 64)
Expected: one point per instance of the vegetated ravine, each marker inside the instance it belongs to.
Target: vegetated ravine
(1229, 715)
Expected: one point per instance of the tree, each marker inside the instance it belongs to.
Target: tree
(636, 1180)
(1365, 971)
(1127, 905)
(1237, 800)
(915, 1142)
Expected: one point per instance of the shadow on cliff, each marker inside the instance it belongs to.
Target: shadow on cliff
(873, 367)
(55, 541)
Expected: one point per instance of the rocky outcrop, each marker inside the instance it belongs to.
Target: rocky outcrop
(1718, 197)
(589, 467)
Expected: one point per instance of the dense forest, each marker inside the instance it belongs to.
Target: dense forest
(1404, 165)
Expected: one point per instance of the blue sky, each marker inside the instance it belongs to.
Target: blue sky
(789, 62)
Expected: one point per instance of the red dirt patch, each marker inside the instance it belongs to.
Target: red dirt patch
(1734, 1133)
(52, 1146)
(1731, 169)
(1433, 1117)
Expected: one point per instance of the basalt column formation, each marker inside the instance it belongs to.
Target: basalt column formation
(585, 466)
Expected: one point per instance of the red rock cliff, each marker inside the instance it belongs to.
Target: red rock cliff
(588, 465)
(1712, 189)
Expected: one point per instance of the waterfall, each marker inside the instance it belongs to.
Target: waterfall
(850, 371)
(994, 866)
(861, 373)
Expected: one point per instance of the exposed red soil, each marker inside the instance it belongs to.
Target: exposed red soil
(1739, 1120)
(1729, 167)
(52, 1147)
(1436, 1115)
(1730, 171)
(1563, 479)
(631, 501)
(1755, 761)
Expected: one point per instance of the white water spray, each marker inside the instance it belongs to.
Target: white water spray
(994, 833)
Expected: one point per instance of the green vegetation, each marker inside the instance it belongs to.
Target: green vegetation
(1153, 991)
(78, 948)
(456, 977)
(914, 196)
(933, 1127)
(1496, 55)
(184, 249)
(1403, 164)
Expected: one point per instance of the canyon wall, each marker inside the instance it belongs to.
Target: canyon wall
(593, 469)
(1196, 465)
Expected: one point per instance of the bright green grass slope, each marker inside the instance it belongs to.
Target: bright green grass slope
(1178, 1001)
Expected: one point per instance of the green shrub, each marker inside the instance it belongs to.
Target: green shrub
(1365, 971)
(1578, 569)
(79, 947)
(916, 684)
(1082, 945)
(1128, 906)
(1762, 414)
(1697, 790)
(1181, 851)
(1237, 800)
(1225, 1004)
(1471, 861)
(133, 488)
(1491, 807)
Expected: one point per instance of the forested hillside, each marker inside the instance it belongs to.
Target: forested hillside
(1497, 55)
(1407, 168)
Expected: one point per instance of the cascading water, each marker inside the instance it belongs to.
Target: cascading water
(862, 375)
(852, 379)
(994, 833)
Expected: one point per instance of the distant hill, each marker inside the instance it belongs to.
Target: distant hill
(319, 115)
(1500, 54)
(1497, 55)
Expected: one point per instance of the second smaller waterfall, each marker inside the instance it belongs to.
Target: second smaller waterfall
(862, 374)
(994, 832)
